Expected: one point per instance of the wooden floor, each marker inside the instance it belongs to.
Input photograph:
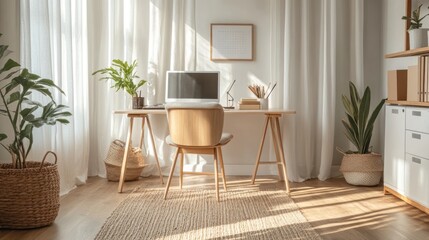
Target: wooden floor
(335, 209)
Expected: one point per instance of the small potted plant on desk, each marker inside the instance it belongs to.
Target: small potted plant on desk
(418, 35)
(360, 167)
(123, 74)
(29, 191)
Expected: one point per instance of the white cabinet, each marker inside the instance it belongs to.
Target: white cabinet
(406, 154)
(394, 150)
(417, 179)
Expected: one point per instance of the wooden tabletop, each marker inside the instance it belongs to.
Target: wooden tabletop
(227, 111)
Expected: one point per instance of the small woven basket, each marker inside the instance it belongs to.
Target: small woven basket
(113, 162)
(29, 197)
(362, 169)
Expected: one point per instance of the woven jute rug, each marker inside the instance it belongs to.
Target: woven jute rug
(195, 214)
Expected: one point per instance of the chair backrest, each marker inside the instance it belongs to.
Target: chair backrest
(195, 124)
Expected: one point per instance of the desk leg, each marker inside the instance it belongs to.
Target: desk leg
(142, 134)
(276, 146)
(258, 158)
(124, 160)
(282, 155)
(154, 149)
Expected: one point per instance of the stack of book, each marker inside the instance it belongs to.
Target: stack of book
(423, 76)
(249, 104)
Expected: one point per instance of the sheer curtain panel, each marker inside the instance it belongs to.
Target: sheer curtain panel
(314, 53)
(54, 45)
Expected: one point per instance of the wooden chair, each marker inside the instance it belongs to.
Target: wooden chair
(197, 129)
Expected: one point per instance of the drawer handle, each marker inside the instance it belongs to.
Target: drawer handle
(395, 111)
(416, 160)
(416, 113)
(416, 136)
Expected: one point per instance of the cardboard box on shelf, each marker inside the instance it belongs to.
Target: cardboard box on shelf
(397, 85)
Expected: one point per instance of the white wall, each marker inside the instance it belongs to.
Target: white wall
(9, 27)
(372, 57)
(240, 153)
(239, 11)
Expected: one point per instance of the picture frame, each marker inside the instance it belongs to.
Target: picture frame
(231, 42)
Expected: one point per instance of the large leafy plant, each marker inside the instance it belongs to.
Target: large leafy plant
(22, 113)
(358, 127)
(415, 19)
(123, 74)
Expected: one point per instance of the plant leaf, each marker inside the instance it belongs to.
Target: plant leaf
(2, 136)
(15, 96)
(9, 65)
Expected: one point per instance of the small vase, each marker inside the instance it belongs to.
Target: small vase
(418, 38)
(138, 102)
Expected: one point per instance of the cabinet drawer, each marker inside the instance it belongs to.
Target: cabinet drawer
(417, 143)
(417, 179)
(417, 119)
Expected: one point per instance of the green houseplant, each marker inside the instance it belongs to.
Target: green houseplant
(361, 166)
(24, 183)
(418, 35)
(123, 74)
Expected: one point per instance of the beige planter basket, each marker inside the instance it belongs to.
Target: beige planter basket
(113, 162)
(362, 169)
(29, 197)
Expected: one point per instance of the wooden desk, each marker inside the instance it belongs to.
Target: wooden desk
(271, 118)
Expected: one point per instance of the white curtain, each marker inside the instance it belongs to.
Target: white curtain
(53, 45)
(56, 44)
(159, 35)
(315, 56)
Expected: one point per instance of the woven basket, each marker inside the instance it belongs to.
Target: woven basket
(362, 169)
(113, 162)
(29, 197)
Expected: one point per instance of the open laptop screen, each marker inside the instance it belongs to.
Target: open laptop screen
(195, 86)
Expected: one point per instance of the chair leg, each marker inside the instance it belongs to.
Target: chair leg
(171, 173)
(216, 174)
(258, 158)
(222, 168)
(181, 170)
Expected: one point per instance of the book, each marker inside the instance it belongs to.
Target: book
(246, 101)
(249, 106)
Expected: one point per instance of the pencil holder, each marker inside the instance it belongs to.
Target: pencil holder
(263, 102)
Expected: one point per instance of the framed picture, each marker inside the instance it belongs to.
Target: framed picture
(231, 42)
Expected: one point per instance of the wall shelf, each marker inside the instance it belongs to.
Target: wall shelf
(409, 53)
(408, 103)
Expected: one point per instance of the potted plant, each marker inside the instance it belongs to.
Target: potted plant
(418, 35)
(361, 166)
(29, 191)
(123, 74)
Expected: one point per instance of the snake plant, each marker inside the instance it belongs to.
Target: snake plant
(359, 124)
